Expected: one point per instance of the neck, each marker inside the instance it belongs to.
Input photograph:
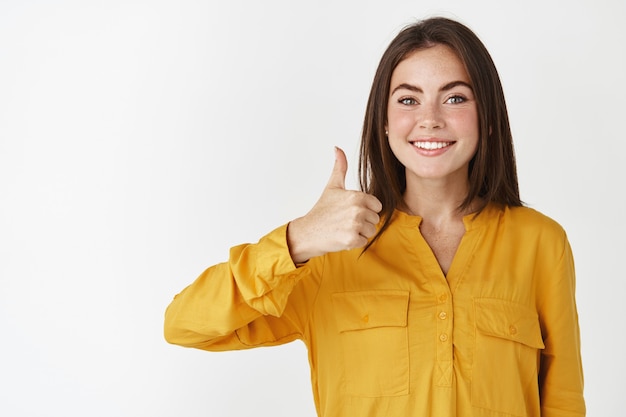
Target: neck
(437, 201)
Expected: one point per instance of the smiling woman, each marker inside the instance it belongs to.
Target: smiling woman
(433, 131)
(432, 118)
(430, 292)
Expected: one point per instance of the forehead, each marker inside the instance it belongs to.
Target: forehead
(438, 62)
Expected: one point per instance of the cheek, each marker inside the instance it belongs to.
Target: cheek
(400, 121)
(398, 145)
(467, 121)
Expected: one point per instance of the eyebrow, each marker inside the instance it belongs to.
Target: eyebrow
(449, 86)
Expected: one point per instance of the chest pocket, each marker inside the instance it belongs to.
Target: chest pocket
(506, 357)
(373, 339)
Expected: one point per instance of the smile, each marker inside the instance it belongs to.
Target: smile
(431, 145)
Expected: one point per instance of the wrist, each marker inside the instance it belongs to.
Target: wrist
(297, 242)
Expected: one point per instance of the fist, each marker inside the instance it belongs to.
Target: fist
(340, 220)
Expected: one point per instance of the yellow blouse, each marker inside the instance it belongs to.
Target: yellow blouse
(389, 335)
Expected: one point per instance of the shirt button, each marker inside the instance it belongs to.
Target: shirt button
(512, 329)
(443, 337)
(443, 315)
(443, 298)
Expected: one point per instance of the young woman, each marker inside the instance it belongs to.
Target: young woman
(431, 292)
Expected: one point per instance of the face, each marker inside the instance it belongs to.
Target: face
(432, 117)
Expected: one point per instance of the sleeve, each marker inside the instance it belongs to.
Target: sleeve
(561, 374)
(257, 298)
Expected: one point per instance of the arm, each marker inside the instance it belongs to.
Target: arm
(244, 302)
(561, 374)
(235, 305)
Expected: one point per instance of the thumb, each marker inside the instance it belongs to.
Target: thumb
(338, 176)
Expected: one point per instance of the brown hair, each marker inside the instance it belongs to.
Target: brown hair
(492, 173)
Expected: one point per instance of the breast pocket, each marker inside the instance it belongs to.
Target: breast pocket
(506, 357)
(373, 338)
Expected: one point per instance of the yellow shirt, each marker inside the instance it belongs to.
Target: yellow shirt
(389, 335)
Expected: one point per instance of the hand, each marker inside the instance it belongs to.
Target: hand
(340, 220)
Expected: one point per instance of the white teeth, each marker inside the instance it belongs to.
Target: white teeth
(431, 145)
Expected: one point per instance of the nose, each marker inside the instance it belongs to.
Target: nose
(430, 116)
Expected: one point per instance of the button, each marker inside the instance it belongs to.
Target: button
(443, 337)
(443, 298)
(512, 329)
(443, 315)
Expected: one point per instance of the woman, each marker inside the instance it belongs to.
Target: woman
(433, 292)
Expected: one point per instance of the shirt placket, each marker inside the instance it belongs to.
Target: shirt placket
(444, 371)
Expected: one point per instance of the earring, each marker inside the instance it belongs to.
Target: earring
(386, 133)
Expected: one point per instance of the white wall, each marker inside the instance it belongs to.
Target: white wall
(139, 140)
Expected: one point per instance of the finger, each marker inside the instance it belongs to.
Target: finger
(368, 230)
(373, 203)
(371, 218)
(338, 176)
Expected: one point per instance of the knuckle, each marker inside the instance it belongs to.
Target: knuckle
(356, 224)
(357, 197)
(352, 240)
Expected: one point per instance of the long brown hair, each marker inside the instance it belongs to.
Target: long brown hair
(492, 173)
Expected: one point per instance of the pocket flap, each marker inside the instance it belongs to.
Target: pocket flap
(358, 310)
(508, 320)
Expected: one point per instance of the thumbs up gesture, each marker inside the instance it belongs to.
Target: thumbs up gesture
(340, 220)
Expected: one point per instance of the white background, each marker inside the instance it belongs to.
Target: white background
(139, 140)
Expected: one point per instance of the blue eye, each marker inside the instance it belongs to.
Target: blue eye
(456, 100)
(408, 101)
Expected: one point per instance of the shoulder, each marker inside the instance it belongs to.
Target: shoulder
(519, 223)
(531, 217)
(529, 223)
